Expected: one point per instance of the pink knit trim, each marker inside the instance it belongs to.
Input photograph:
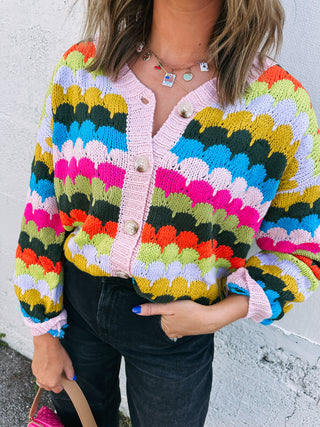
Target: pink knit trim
(137, 188)
(259, 305)
(42, 328)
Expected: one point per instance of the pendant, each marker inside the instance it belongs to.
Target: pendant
(204, 66)
(146, 56)
(140, 47)
(169, 79)
(188, 76)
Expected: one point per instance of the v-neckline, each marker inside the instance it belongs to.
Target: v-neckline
(201, 97)
(133, 90)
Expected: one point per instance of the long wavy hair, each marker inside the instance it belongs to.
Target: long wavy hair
(244, 30)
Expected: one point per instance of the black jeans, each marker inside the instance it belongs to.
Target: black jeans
(168, 383)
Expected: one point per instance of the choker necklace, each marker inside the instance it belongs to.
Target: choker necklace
(170, 77)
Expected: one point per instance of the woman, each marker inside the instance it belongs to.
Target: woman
(166, 146)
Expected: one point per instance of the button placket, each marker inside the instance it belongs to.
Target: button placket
(136, 192)
(136, 184)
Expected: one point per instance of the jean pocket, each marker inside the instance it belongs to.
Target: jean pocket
(162, 332)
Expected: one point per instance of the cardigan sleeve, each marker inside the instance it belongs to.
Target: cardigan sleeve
(286, 270)
(39, 256)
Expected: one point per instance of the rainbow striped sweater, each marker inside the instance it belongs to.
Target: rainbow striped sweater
(177, 212)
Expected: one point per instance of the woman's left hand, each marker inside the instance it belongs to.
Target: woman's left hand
(182, 318)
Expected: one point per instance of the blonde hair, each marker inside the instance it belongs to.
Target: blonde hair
(245, 29)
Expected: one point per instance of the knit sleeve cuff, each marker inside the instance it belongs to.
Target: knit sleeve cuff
(240, 282)
(54, 326)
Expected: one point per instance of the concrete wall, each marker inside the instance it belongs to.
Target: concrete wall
(264, 376)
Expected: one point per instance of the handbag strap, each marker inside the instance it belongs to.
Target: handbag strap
(78, 399)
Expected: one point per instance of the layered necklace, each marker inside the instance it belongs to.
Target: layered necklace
(170, 77)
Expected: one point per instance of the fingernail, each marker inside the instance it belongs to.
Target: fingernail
(74, 378)
(137, 309)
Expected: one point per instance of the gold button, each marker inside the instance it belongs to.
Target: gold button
(185, 109)
(131, 227)
(122, 274)
(141, 164)
(144, 100)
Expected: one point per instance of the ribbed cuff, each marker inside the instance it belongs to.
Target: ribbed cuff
(53, 326)
(240, 282)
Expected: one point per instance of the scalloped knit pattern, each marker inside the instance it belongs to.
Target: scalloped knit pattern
(215, 182)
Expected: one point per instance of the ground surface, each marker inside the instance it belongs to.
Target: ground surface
(17, 389)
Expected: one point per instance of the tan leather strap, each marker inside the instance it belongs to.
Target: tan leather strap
(78, 399)
(35, 404)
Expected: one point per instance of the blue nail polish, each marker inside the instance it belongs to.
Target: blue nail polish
(74, 378)
(137, 309)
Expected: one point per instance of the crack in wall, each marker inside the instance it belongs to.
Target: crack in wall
(295, 405)
(299, 375)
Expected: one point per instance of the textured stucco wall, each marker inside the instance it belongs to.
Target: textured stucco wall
(264, 376)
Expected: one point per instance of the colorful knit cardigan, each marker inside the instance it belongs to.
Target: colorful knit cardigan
(212, 183)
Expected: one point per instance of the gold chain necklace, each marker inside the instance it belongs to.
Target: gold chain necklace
(188, 75)
(170, 77)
